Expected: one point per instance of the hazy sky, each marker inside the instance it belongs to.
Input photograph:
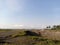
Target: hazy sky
(29, 13)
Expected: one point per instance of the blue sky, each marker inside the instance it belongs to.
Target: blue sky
(29, 13)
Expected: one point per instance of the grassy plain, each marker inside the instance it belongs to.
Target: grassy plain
(29, 37)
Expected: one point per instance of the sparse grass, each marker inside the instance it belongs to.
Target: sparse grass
(18, 34)
(19, 38)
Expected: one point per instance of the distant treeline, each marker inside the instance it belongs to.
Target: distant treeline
(54, 27)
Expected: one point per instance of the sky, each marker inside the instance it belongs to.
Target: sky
(29, 13)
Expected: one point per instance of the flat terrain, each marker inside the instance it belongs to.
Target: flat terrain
(29, 37)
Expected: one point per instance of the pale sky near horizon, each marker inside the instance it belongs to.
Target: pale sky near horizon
(29, 13)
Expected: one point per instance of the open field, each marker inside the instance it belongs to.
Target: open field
(29, 37)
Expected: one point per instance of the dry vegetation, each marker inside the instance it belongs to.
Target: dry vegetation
(29, 37)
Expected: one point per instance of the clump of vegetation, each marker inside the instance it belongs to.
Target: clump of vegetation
(30, 33)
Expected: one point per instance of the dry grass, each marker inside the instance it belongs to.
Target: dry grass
(16, 37)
